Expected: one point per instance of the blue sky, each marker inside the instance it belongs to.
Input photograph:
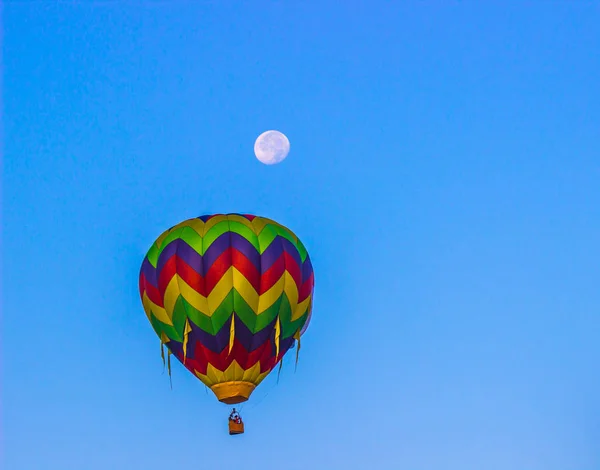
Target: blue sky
(444, 175)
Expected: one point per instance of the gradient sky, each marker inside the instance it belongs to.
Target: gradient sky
(444, 176)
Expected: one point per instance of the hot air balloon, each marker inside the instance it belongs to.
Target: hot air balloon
(228, 295)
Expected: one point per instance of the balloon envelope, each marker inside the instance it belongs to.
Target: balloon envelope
(228, 294)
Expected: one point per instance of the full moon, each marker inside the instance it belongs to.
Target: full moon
(271, 147)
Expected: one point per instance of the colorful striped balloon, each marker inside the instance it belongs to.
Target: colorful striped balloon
(228, 294)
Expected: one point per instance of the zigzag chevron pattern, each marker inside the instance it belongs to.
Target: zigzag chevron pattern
(227, 294)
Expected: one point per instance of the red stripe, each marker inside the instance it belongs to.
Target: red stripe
(221, 361)
(217, 270)
(245, 266)
(151, 291)
(141, 284)
(292, 267)
(229, 257)
(284, 263)
(306, 288)
(190, 276)
(166, 274)
(272, 275)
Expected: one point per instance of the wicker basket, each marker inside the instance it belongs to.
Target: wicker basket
(236, 428)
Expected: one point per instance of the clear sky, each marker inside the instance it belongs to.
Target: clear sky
(444, 175)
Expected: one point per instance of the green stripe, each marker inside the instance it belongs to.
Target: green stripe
(160, 327)
(198, 318)
(244, 311)
(302, 250)
(200, 244)
(213, 324)
(174, 235)
(289, 328)
(191, 237)
(263, 320)
(266, 237)
(179, 315)
(215, 232)
(152, 255)
(244, 231)
(222, 312)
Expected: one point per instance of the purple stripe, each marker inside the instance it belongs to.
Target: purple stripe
(291, 250)
(166, 254)
(256, 340)
(234, 240)
(183, 251)
(216, 343)
(216, 249)
(190, 256)
(275, 250)
(149, 272)
(270, 255)
(306, 323)
(306, 269)
(246, 248)
(176, 348)
(201, 264)
(219, 342)
(284, 345)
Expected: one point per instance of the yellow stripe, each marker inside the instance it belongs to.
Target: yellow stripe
(220, 291)
(232, 278)
(253, 375)
(231, 333)
(277, 336)
(258, 224)
(192, 297)
(185, 223)
(210, 223)
(241, 220)
(285, 284)
(233, 373)
(186, 333)
(267, 299)
(208, 305)
(159, 312)
(196, 225)
(166, 233)
(262, 222)
(245, 289)
(213, 375)
(291, 290)
(161, 238)
(171, 295)
(301, 308)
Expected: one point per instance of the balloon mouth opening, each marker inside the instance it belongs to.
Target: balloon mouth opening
(234, 392)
